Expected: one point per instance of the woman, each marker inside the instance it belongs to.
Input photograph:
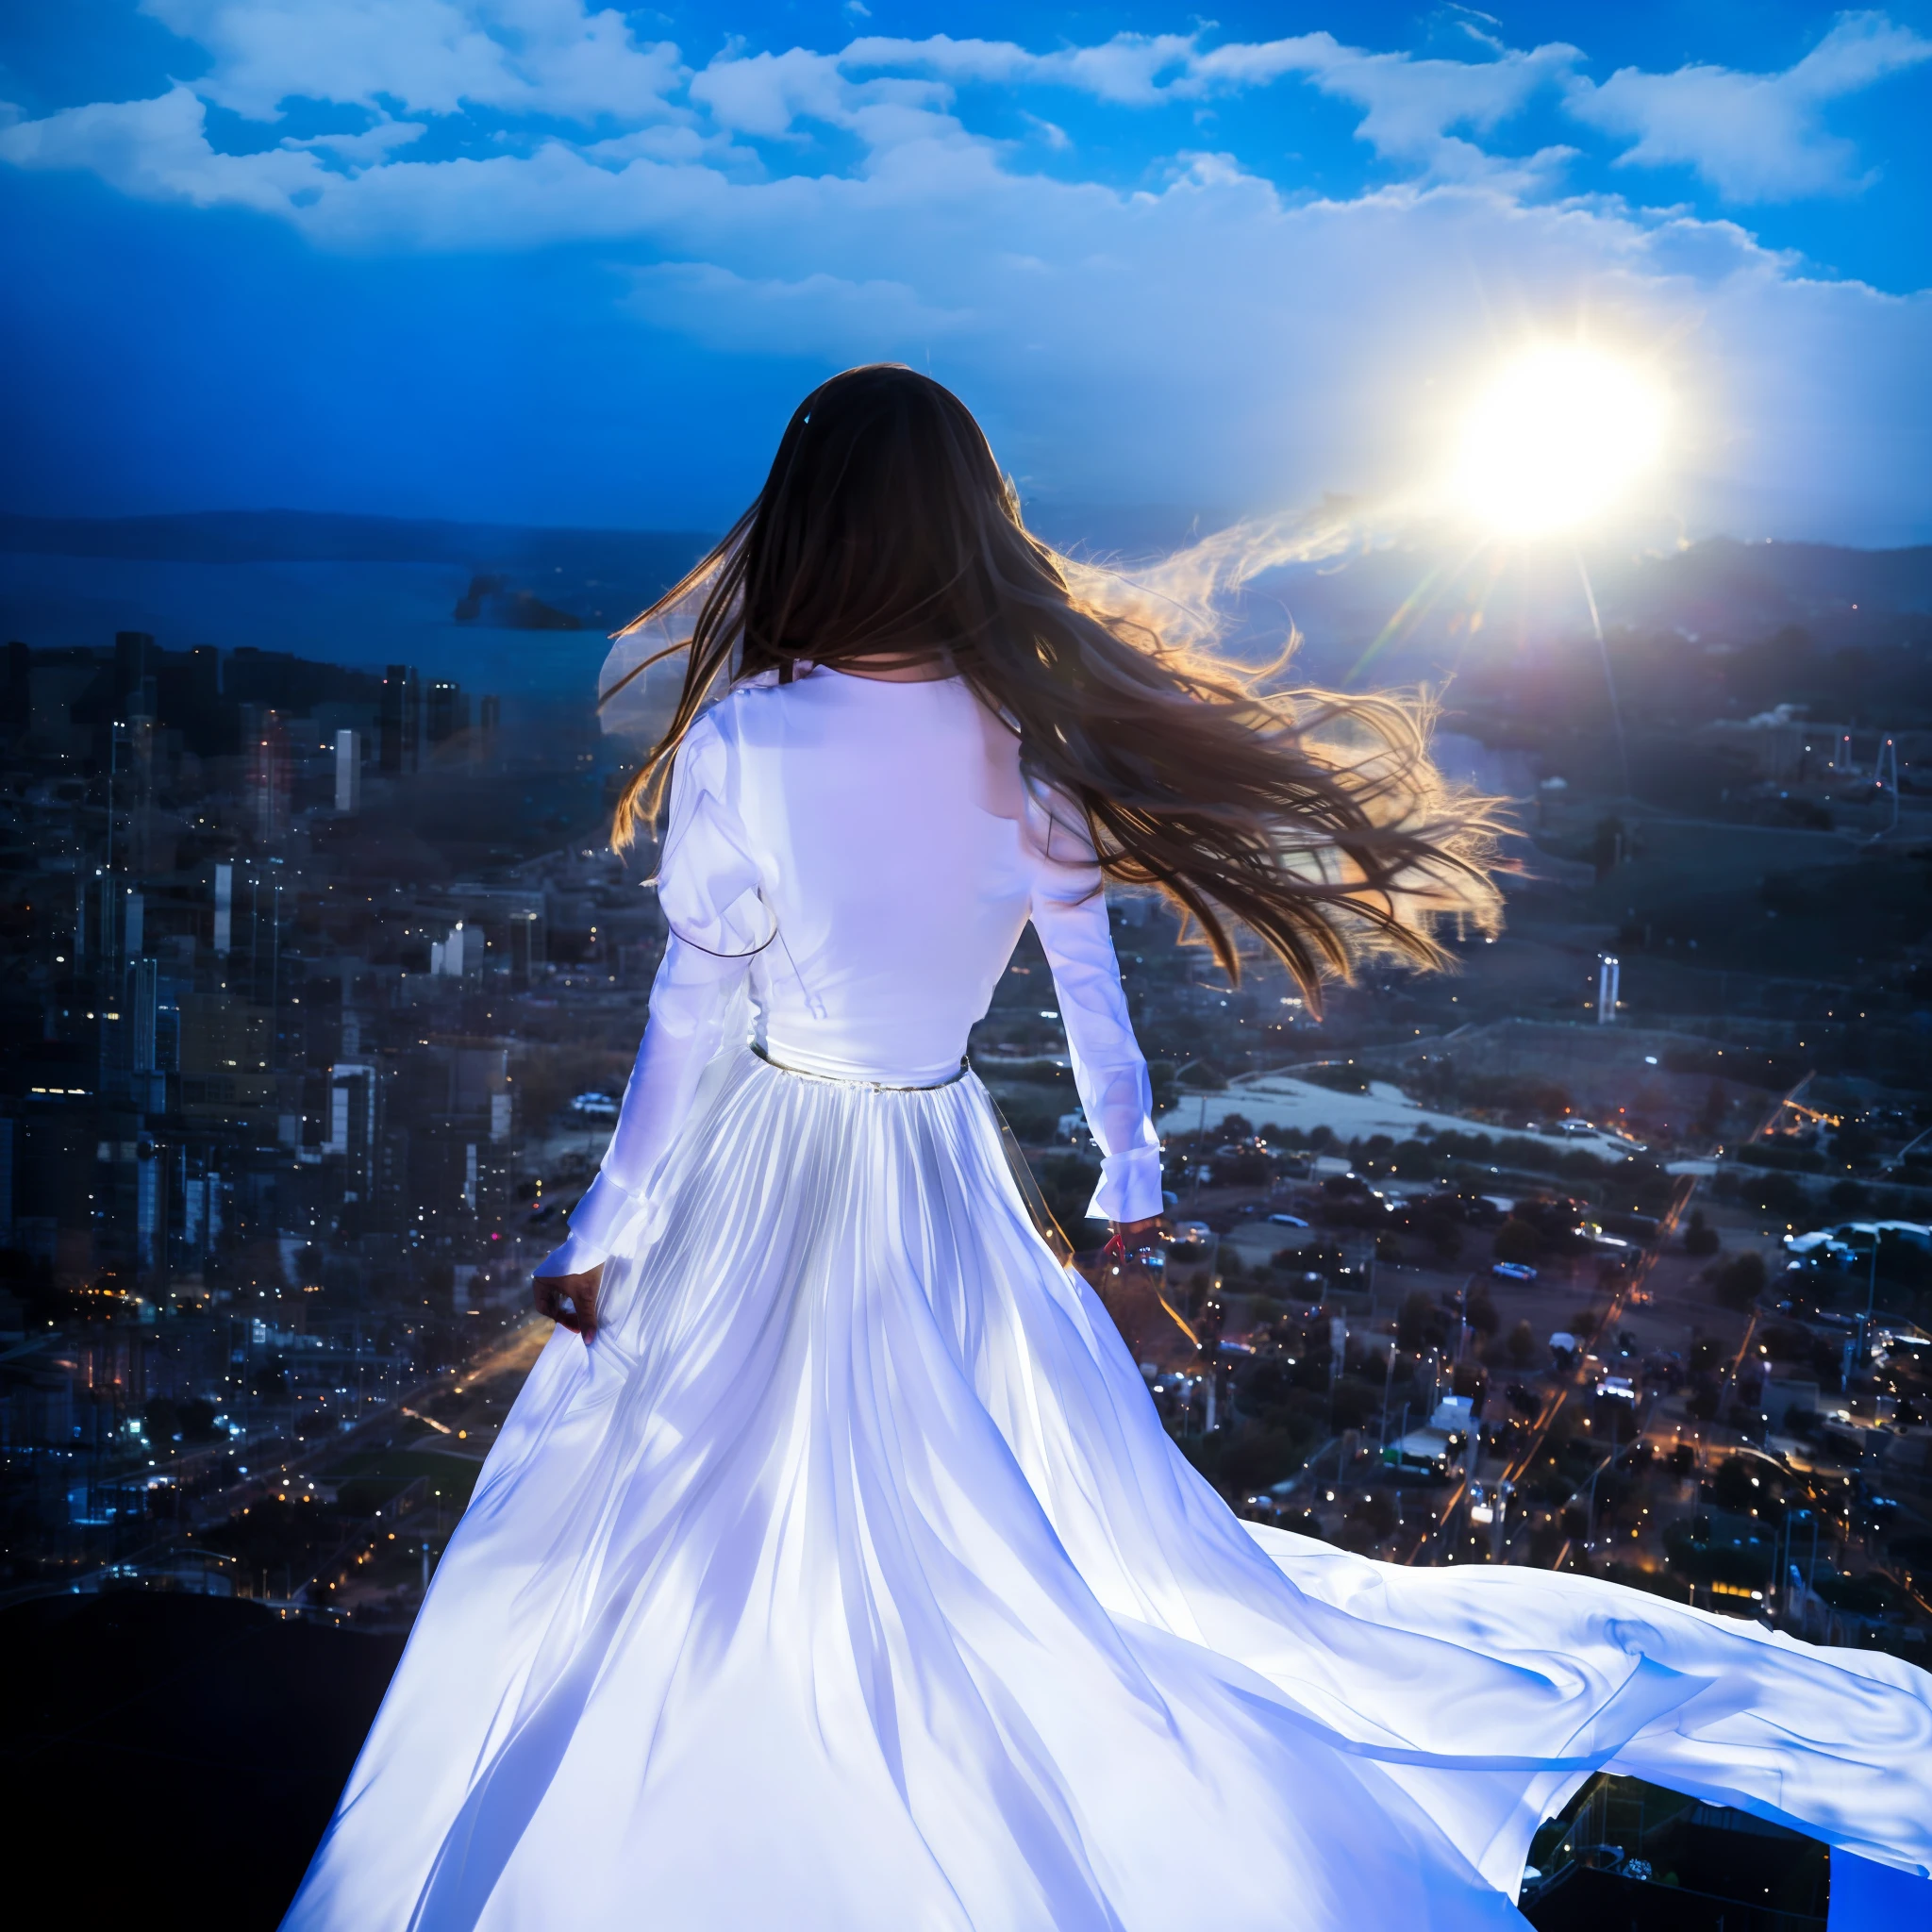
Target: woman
(841, 1575)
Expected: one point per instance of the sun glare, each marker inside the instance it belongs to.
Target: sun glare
(1559, 437)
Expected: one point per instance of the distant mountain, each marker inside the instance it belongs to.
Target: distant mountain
(1779, 582)
(474, 599)
(288, 536)
(1421, 610)
(461, 600)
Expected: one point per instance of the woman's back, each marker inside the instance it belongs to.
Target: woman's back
(889, 829)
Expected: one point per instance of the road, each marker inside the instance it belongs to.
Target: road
(1570, 1385)
(513, 1353)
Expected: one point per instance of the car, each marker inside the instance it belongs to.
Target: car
(1288, 1221)
(1513, 1271)
(594, 1106)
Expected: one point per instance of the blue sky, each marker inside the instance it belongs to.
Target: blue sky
(531, 260)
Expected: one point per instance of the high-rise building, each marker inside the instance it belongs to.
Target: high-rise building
(190, 689)
(525, 947)
(483, 734)
(402, 721)
(135, 661)
(205, 674)
(16, 690)
(270, 780)
(352, 1124)
(225, 909)
(348, 771)
(445, 712)
(141, 1006)
(459, 955)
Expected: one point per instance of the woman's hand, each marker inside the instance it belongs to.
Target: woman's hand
(570, 1300)
(1136, 1239)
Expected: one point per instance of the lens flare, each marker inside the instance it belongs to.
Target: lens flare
(1559, 437)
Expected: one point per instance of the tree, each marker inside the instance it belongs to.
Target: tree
(198, 1421)
(1521, 1345)
(1417, 1319)
(1741, 1280)
(1734, 1488)
(1699, 1238)
(1067, 1181)
(1437, 1227)
(1250, 1168)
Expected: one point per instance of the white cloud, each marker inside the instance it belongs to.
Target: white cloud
(1127, 68)
(369, 148)
(435, 56)
(158, 150)
(1754, 137)
(765, 93)
(994, 61)
(1410, 105)
(1210, 337)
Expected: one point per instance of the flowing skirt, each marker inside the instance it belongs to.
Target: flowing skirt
(849, 1581)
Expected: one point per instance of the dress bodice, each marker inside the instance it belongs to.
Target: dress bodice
(846, 867)
(888, 826)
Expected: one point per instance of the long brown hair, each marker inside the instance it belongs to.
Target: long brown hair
(887, 531)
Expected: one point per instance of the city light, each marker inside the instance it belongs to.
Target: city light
(1559, 436)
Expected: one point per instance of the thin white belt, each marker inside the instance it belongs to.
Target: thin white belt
(850, 1080)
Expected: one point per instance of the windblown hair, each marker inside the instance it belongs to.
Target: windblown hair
(887, 531)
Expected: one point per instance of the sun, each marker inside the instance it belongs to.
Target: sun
(1560, 436)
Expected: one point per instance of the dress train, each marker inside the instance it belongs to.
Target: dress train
(849, 1580)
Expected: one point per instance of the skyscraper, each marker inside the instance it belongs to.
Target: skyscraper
(271, 780)
(348, 771)
(402, 721)
(445, 712)
(135, 664)
(489, 720)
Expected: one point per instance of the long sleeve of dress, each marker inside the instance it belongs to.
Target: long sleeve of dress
(1068, 912)
(708, 885)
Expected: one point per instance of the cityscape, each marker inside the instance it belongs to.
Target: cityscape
(322, 983)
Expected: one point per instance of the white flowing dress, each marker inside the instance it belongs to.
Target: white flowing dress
(848, 1581)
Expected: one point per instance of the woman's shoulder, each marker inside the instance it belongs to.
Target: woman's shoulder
(736, 722)
(763, 711)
